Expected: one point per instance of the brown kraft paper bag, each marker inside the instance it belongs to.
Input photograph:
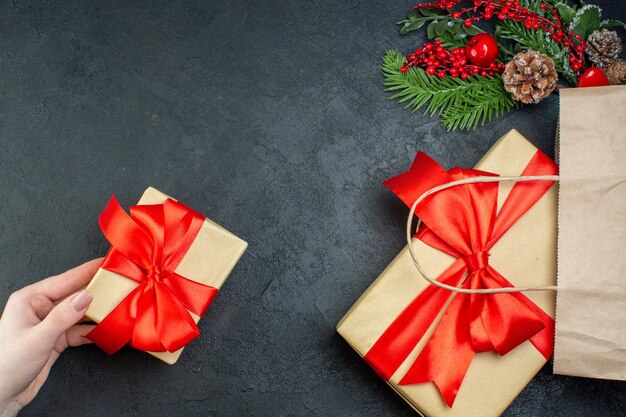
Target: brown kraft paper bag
(591, 297)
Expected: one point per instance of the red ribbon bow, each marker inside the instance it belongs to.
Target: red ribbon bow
(463, 221)
(147, 246)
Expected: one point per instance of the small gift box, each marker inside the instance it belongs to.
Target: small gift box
(165, 266)
(455, 354)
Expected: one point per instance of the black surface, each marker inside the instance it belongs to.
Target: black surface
(270, 118)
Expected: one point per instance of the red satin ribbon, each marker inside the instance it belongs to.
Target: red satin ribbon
(463, 221)
(147, 246)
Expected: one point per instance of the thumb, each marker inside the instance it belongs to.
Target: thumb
(67, 313)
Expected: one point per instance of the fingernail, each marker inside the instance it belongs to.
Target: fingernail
(80, 300)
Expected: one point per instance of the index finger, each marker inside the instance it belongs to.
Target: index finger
(62, 285)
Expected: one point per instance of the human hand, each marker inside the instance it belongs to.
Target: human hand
(39, 322)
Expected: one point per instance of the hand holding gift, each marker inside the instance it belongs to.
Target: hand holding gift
(162, 273)
(38, 323)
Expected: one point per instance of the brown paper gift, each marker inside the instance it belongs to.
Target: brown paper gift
(591, 301)
(210, 259)
(525, 255)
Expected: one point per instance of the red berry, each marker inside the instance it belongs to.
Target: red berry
(441, 74)
(456, 15)
(431, 70)
(403, 68)
(482, 50)
(576, 66)
(483, 73)
(437, 42)
(468, 23)
(464, 75)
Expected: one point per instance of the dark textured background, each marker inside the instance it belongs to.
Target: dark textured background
(269, 117)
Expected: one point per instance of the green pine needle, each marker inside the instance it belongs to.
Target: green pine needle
(461, 104)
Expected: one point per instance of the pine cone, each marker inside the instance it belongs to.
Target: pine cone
(530, 77)
(604, 47)
(616, 73)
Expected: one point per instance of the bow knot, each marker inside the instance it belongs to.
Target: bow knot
(154, 273)
(477, 260)
(147, 247)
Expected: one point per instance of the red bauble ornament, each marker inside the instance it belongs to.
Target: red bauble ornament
(482, 50)
(593, 77)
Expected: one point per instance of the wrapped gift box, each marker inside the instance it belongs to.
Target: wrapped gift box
(209, 260)
(525, 255)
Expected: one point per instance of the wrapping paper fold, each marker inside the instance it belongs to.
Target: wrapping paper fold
(525, 255)
(209, 260)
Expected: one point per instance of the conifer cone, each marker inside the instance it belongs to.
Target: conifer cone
(604, 47)
(616, 73)
(530, 77)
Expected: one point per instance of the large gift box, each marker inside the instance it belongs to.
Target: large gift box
(454, 354)
(166, 265)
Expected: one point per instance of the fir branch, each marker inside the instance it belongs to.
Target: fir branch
(467, 115)
(462, 104)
